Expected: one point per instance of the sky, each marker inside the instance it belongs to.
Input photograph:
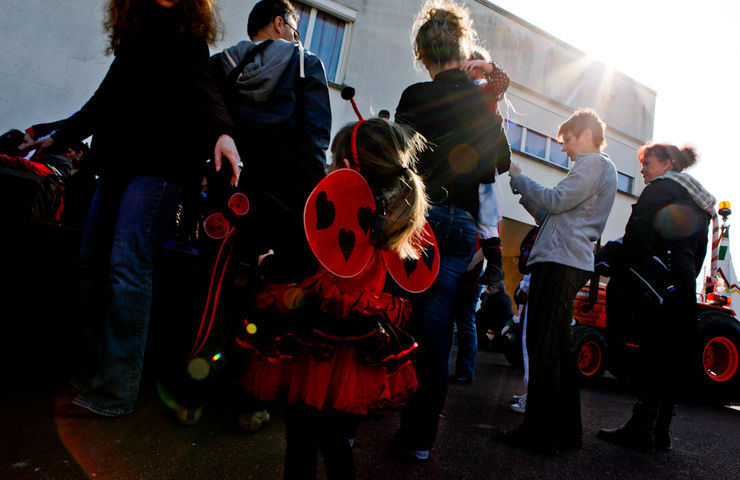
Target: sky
(687, 51)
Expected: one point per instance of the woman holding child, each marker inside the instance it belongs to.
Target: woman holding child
(468, 145)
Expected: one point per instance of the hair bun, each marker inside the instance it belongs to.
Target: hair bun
(688, 152)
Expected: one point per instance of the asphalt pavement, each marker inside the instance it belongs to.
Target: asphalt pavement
(149, 444)
(38, 339)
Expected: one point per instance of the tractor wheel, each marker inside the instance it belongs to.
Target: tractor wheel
(719, 353)
(590, 348)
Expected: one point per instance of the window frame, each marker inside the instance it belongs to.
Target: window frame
(521, 148)
(512, 124)
(550, 144)
(341, 13)
(631, 183)
(525, 135)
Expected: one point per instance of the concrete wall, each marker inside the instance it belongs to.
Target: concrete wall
(53, 60)
(548, 67)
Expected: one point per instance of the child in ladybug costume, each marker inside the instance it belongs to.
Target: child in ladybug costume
(332, 346)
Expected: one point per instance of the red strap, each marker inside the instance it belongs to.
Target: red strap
(196, 348)
(355, 159)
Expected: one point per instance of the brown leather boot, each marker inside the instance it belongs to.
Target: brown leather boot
(637, 432)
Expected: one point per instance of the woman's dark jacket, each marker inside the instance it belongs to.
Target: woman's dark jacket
(666, 222)
(467, 140)
(157, 111)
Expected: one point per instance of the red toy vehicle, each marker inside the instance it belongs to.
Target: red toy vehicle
(716, 357)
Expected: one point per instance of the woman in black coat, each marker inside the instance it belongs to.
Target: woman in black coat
(154, 120)
(669, 223)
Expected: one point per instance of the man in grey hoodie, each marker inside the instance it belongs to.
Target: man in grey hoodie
(278, 99)
(572, 216)
(279, 104)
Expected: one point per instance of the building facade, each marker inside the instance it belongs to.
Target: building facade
(53, 59)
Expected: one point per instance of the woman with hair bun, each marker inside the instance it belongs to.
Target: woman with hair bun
(468, 144)
(669, 222)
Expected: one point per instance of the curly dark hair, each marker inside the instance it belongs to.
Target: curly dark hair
(126, 17)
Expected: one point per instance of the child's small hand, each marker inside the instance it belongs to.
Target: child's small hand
(470, 65)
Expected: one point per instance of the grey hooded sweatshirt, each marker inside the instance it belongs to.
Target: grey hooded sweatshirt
(572, 215)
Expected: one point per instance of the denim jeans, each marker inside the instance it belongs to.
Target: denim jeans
(125, 225)
(466, 332)
(433, 329)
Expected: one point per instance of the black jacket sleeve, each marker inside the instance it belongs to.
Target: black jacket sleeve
(81, 125)
(207, 99)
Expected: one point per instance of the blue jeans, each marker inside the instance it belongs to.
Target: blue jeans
(455, 230)
(125, 225)
(465, 329)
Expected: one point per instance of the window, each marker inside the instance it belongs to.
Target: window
(536, 144)
(625, 183)
(514, 135)
(324, 27)
(556, 155)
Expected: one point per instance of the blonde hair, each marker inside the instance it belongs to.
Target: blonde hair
(387, 153)
(443, 32)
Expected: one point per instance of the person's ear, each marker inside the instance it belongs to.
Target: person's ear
(346, 163)
(277, 24)
(588, 136)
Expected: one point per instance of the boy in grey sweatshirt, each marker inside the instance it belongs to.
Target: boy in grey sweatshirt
(572, 216)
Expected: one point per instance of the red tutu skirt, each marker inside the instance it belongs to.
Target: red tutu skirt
(334, 344)
(342, 383)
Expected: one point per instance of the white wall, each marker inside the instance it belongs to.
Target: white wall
(53, 59)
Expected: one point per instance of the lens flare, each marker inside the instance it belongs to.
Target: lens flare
(198, 368)
(217, 357)
(677, 221)
(165, 396)
(463, 158)
(251, 328)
